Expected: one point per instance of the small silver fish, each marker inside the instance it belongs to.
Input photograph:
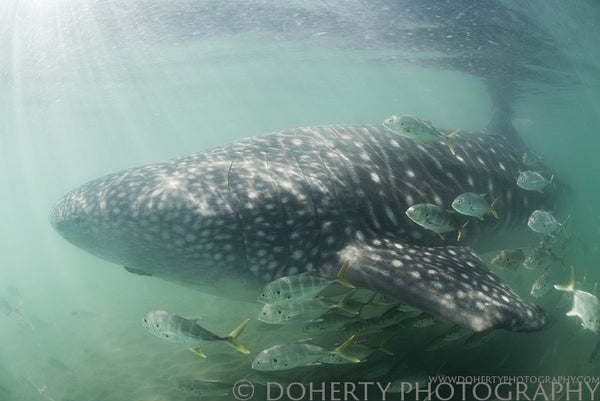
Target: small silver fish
(542, 285)
(541, 258)
(359, 351)
(585, 305)
(382, 300)
(509, 259)
(185, 331)
(393, 316)
(300, 287)
(301, 311)
(361, 328)
(434, 218)
(288, 356)
(326, 324)
(407, 308)
(478, 339)
(543, 222)
(421, 131)
(533, 181)
(475, 205)
(453, 334)
(423, 320)
(206, 388)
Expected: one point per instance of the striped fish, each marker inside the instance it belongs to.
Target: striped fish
(292, 355)
(301, 311)
(185, 331)
(299, 287)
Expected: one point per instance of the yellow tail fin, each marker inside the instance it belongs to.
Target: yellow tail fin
(563, 226)
(341, 350)
(232, 337)
(460, 230)
(340, 276)
(570, 286)
(449, 140)
(493, 207)
(342, 303)
(562, 259)
(382, 346)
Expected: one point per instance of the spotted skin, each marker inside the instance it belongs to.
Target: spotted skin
(291, 201)
(450, 281)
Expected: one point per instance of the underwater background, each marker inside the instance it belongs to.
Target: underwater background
(92, 87)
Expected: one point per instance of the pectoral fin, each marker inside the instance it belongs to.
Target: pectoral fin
(449, 281)
(139, 272)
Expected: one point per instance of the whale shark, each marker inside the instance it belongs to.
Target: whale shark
(232, 218)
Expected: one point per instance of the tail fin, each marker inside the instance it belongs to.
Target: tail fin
(570, 286)
(17, 311)
(449, 140)
(493, 207)
(232, 337)
(460, 231)
(563, 226)
(562, 259)
(382, 346)
(340, 276)
(342, 303)
(341, 350)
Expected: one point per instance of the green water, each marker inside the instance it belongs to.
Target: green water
(83, 94)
